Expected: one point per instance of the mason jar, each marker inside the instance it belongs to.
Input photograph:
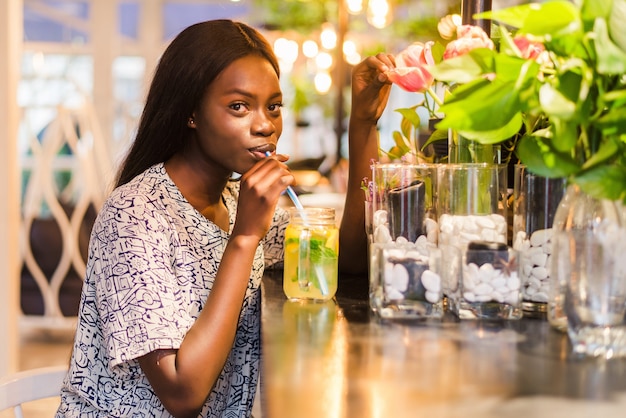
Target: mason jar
(311, 254)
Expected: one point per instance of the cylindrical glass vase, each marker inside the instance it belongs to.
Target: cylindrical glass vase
(471, 203)
(462, 150)
(406, 281)
(311, 254)
(403, 203)
(471, 208)
(535, 201)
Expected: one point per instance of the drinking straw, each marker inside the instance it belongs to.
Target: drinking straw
(296, 202)
(290, 192)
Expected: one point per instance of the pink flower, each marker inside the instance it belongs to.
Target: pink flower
(411, 71)
(529, 49)
(468, 37)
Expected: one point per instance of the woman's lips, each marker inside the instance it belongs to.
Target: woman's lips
(262, 151)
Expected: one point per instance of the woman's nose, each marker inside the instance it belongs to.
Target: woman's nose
(263, 124)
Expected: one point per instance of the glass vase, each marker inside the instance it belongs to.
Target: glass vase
(405, 281)
(403, 203)
(471, 203)
(471, 213)
(535, 201)
(463, 150)
(589, 274)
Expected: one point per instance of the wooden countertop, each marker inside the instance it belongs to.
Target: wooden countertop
(337, 360)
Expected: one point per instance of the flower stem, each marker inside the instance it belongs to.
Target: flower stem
(436, 98)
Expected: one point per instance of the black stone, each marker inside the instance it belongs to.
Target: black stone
(407, 210)
(483, 252)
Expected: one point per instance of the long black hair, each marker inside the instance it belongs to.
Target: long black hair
(188, 66)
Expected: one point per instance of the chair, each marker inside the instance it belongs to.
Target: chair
(30, 385)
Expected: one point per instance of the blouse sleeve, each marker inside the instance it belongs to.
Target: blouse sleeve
(273, 244)
(139, 300)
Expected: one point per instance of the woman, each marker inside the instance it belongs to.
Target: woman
(169, 320)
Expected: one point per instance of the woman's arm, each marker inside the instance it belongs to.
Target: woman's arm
(370, 92)
(183, 378)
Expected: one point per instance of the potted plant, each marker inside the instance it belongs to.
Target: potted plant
(560, 78)
(558, 81)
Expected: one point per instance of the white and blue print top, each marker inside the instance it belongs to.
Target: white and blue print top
(152, 262)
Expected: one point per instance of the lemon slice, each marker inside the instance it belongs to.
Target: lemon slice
(333, 240)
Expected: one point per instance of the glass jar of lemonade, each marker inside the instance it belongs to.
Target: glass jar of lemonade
(311, 249)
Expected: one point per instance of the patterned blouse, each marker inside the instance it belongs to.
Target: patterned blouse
(152, 262)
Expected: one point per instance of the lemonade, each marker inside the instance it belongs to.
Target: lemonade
(311, 248)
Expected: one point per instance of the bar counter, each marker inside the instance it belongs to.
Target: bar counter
(337, 360)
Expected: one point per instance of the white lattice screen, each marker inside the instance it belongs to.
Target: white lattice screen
(67, 164)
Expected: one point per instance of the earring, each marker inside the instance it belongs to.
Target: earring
(191, 123)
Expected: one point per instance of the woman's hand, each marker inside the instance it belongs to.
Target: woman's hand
(370, 93)
(261, 187)
(371, 87)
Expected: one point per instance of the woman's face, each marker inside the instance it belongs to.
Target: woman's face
(239, 118)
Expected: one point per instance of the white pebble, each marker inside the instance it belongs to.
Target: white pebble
(513, 282)
(382, 235)
(540, 272)
(540, 237)
(431, 281)
(432, 297)
(485, 222)
(483, 289)
(400, 278)
(393, 294)
(539, 259)
(469, 296)
(379, 218)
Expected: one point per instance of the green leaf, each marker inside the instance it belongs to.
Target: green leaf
(513, 16)
(611, 59)
(616, 20)
(496, 135)
(565, 135)
(607, 151)
(486, 109)
(590, 10)
(437, 51)
(411, 115)
(401, 143)
(614, 122)
(436, 136)
(606, 182)
(464, 68)
(540, 158)
(531, 18)
(555, 104)
(564, 19)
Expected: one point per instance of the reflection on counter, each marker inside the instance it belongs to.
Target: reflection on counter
(308, 367)
(339, 360)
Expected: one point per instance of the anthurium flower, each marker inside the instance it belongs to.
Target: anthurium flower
(529, 49)
(411, 71)
(468, 37)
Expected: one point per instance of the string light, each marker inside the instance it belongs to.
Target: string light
(324, 61)
(378, 13)
(310, 48)
(354, 6)
(287, 53)
(328, 37)
(322, 82)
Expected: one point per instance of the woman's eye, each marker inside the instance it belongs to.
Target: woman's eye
(238, 106)
(275, 107)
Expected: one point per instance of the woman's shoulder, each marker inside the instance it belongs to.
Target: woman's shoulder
(150, 187)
